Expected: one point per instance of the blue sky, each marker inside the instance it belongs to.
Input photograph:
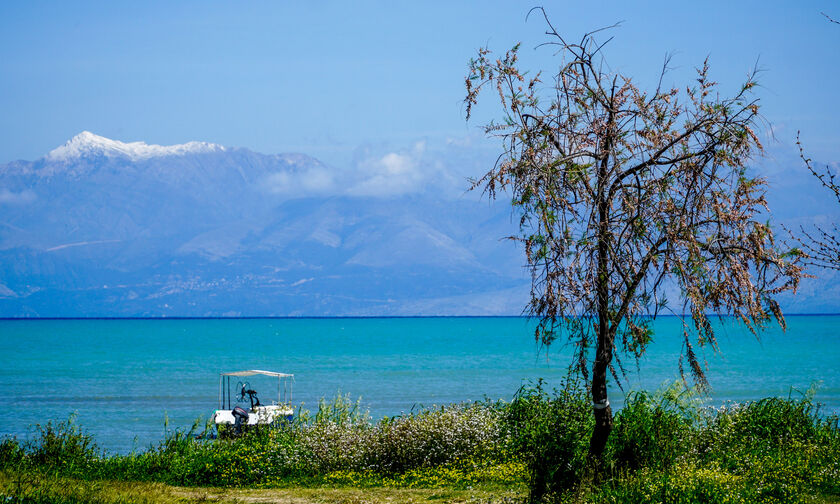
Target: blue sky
(327, 78)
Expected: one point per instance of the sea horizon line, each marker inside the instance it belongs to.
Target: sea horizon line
(328, 317)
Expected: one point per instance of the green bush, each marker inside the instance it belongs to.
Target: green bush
(62, 447)
(550, 432)
(682, 484)
(771, 422)
(773, 450)
(652, 431)
(774, 436)
(11, 453)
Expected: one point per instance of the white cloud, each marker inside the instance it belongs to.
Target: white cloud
(392, 174)
(440, 167)
(8, 197)
(301, 282)
(307, 182)
(465, 141)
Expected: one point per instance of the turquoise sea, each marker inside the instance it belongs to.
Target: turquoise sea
(123, 377)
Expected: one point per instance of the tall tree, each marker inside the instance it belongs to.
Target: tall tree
(624, 194)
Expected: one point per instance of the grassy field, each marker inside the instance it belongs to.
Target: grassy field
(665, 447)
(57, 490)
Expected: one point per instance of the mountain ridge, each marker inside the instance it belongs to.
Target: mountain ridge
(221, 230)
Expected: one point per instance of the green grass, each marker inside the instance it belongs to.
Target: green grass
(665, 447)
(45, 489)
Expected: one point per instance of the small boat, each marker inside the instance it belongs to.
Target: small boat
(252, 411)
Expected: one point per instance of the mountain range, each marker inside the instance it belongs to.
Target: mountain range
(99, 227)
(103, 228)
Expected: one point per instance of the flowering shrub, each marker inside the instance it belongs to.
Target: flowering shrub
(467, 441)
(438, 437)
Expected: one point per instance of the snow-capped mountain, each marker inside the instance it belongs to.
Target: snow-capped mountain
(99, 227)
(88, 144)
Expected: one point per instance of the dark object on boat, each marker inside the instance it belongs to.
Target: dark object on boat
(250, 393)
(241, 416)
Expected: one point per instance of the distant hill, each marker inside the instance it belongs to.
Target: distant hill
(99, 227)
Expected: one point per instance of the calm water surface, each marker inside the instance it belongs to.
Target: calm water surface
(123, 377)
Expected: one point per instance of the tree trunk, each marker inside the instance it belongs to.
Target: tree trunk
(600, 407)
(603, 353)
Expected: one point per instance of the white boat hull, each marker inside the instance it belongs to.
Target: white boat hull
(260, 415)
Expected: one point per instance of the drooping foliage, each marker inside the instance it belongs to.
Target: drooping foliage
(624, 194)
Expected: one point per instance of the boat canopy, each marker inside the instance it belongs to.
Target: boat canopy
(252, 372)
(284, 385)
